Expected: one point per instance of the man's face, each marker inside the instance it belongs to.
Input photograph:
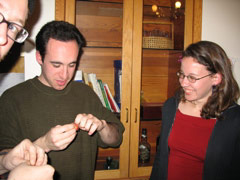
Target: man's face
(13, 11)
(59, 63)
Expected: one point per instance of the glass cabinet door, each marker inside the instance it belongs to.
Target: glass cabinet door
(161, 33)
(106, 26)
(101, 23)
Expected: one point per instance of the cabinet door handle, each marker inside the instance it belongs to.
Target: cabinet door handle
(136, 113)
(126, 115)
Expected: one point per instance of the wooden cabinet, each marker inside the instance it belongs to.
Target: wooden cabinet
(114, 30)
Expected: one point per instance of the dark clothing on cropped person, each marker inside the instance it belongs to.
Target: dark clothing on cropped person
(223, 151)
(30, 109)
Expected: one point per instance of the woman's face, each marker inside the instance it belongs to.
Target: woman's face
(200, 90)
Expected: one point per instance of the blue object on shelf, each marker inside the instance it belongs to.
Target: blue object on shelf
(118, 81)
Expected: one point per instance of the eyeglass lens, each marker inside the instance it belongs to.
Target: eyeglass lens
(190, 78)
(15, 32)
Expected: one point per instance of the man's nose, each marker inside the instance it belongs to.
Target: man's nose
(64, 73)
(3, 33)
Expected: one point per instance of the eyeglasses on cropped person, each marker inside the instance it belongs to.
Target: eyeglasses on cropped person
(190, 78)
(15, 32)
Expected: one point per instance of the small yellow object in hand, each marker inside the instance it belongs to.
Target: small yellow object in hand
(76, 126)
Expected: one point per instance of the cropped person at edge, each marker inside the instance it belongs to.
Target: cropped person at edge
(25, 161)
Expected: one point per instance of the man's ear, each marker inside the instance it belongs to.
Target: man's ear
(217, 79)
(39, 58)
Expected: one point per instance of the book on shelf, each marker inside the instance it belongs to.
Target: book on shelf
(96, 87)
(107, 103)
(113, 103)
(85, 78)
(78, 76)
(101, 89)
(118, 81)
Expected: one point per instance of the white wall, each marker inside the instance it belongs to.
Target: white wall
(43, 13)
(221, 24)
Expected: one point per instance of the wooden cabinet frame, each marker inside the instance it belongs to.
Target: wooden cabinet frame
(132, 52)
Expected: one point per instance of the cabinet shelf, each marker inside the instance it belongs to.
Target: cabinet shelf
(100, 23)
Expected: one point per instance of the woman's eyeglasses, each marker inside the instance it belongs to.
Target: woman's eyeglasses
(190, 78)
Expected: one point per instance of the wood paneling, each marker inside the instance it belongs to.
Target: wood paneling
(197, 21)
(60, 10)
(193, 22)
(69, 15)
(154, 75)
(100, 23)
(127, 54)
(159, 79)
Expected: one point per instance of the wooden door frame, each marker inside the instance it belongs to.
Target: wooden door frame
(192, 33)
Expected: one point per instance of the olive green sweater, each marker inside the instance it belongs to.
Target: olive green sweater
(31, 109)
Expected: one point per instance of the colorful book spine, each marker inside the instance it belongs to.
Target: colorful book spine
(93, 79)
(113, 103)
(104, 95)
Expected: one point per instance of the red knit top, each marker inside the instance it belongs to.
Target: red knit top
(188, 143)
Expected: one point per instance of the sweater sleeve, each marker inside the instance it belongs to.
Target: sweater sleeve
(10, 135)
(111, 118)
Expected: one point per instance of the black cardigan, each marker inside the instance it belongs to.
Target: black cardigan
(222, 159)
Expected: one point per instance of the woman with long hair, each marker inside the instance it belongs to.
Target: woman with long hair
(200, 136)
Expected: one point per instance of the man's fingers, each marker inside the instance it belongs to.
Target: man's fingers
(60, 129)
(34, 155)
(88, 122)
(31, 154)
(41, 157)
(79, 117)
(92, 129)
(63, 143)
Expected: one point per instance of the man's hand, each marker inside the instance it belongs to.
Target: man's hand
(26, 172)
(58, 138)
(26, 151)
(108, 131)
(89, 123)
